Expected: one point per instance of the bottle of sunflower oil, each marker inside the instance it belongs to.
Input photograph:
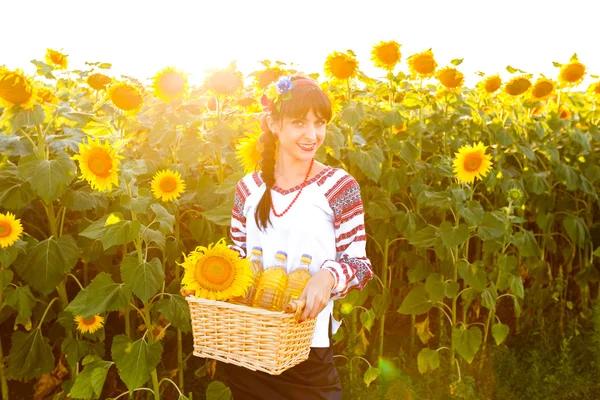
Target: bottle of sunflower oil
(256, 265)
(297, 280)
(269, 294)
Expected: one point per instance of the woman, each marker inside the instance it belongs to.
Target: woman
(299, 205)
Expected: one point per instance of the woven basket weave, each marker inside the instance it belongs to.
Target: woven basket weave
(253, 338)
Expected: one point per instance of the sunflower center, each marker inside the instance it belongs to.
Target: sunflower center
(172, 83)
(387, 55)
(574, 72)
(126, 98)
(14, 89)
(5, 229)
(424, 65)
(491, 85)
(168, 184)
(100, 163)
(472, 162)
(216, 272)
(542, 89)
(88, 321)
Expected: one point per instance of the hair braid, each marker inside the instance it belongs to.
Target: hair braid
(267, 164)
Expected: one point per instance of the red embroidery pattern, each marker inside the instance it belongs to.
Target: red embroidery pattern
(344, 200)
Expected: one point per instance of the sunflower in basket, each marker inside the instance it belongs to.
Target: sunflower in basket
(216, 272)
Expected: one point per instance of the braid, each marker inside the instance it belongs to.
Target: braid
(263, 211)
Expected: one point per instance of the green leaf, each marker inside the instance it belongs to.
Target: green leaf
(15, 193)
(137, 204)
(99, 126)
(473, 275)
(526, 243)
(132, 169)
(428, 360)
(516, 286)
(221, 215)
(6, 277)
(457, 61)
(500, 332)
(493, 226)
(15, 118)
(74, 350)
(217, 390)
(451, 289)
(120, 233)
(369, 161)
(452, 236)
(48, 178)
(576, 230)
(163, 217)
(379, 206)
(367, 318)
(370, 375)
(9, 254)
(21, 299)
(175, 309)
(83, 199)
(46, 262)
(43, 69)
(537, 183)
(466, 342)
(393, 180)
(334, 141)
(425, 237)
(472, 213)
(156, 237)
(101, 295)
(143, 279)
(135, 360)
(416, 302)
(434, 285)
(597, 252)
(353, 113)
(30, 356)
(489, 297)
(90, 382)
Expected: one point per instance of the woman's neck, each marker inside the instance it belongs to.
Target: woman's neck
(289, 169)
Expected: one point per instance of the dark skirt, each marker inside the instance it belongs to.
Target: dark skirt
(315, 378)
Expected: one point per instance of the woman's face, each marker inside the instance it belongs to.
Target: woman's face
(300, 138)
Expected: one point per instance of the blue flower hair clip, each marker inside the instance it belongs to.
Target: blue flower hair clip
(276, 93)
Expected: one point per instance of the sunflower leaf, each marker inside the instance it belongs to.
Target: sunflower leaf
(175, 309)
(15, 193)
(48, 178)
(101, 295)
(119, 233)
(20, 299)
(30, 356)
(369, 161)
(90, 381)
(416, 301)
(15, 118)
(9, 254)
(217, 390)
(135, 360)
(164, 218)
(428, 360)
(467, 342)
(144, 279)
(74, 350)
(83, 199)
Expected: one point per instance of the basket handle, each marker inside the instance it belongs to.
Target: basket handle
(295, 307)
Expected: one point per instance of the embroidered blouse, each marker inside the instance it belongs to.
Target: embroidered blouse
(327, 222)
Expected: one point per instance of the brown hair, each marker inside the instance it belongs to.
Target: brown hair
(304, 98)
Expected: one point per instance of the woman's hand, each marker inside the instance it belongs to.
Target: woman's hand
(317, 293)
(185, 293)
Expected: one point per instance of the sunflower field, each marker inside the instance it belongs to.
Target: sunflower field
(482, 213)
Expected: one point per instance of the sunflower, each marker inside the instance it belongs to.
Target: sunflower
(91, 325)
(249, 151)
(422, 64)
(543, 89)
(98, 81)
(517, 86)
(594, 89)
(386, 55)
(572, 74)
(99, 164)
(10, 229)
(267, 76)
(216, 272)
(341, 66)
(15, 88)
(126, 97)
(451, 78)
(471, 162)
(492, 83)
(170, 84)
(564, 113)
(45, 96)
(112, 219)
(167, 185)
(226, 81)
(56, 59)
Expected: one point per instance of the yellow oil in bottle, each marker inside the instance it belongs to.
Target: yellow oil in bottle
(257, 270)
(273, 280)
(297, 280)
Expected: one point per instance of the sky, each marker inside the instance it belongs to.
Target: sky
(140, 37)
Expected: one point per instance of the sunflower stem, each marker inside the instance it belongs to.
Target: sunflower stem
(177, 276)
(41, 143)
(51, 219)
(39, 327)
(3, 381)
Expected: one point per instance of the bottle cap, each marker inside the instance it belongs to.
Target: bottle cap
(282, 255)
(256, 250)
(306, 258)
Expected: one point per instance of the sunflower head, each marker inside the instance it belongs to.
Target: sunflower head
(126, 97)
(564, 113)
(451, 78)
(265, 77)
(45, 96)
(515, 195)
(341, 66)
(98, 164)
(248, 151)
(517, 86)
(167, 185)
(16, 88)
(543, 89)
(98, 81)
(386, 55)
(572, 74)
(491, 83)
(89, 325)
(594, 89)
(170, 84)
(57, 59)
(226, 81)
(10, 229)
(471, 162)
(216, 272)
(422, 64)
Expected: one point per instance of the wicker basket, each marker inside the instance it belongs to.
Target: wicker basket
(252, 338)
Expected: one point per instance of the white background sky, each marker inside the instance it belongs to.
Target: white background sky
(140, 37)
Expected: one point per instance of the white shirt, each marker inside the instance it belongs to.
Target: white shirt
(326, 222)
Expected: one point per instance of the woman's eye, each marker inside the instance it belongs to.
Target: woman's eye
(298, 123)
